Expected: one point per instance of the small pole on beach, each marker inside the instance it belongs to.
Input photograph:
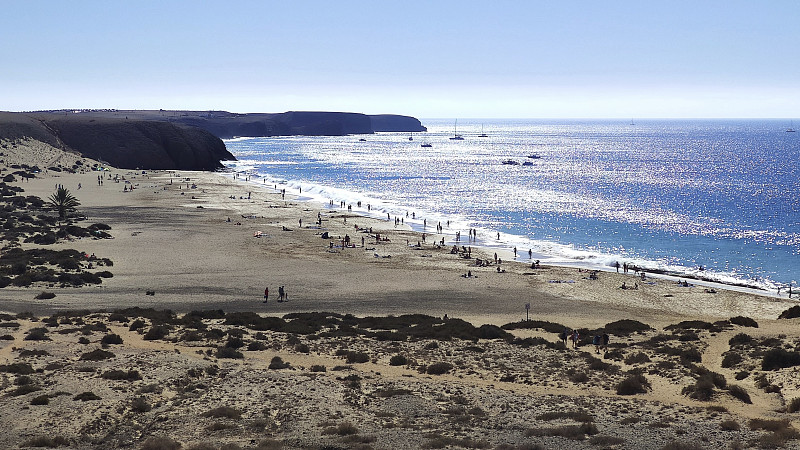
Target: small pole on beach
(527, 310)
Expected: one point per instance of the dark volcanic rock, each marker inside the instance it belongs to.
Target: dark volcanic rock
(131, 144)
(119, 141)
(391, 122)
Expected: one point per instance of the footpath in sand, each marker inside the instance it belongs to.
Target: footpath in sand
(101, 380)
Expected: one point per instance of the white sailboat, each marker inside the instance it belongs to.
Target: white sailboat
(456, 136)
(791, 127)
(482, 133)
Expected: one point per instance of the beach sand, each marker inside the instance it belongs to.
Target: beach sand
(172, 239)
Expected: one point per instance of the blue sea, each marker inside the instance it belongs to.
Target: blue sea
(712, 198)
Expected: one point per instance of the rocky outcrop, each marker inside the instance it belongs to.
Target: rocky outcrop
(121, 142)
(392, 122)
(188, 140)
(308, 123)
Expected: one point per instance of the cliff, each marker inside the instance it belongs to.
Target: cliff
(188, 140)
(226, 125)
(121, 142)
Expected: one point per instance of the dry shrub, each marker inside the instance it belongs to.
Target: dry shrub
(729, 425)
(579, 377)
(140, 405)
(606, 441)
(577, 416)
(637, 358)
(398, 360)
(680, 445)
(224, 412)
(357, 357)
(576, 432)
(46, 441)
(160, 443)
(744, 321)
(269, 444)
(40, 400)
(634, 384)
(740, 393)
(86, 396)
(343, 429)
(277, 363)
(96, 355)
(439, 368)
(793, 405)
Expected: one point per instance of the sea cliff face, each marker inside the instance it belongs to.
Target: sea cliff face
(187, 140)
(121, 142)
(308, 123)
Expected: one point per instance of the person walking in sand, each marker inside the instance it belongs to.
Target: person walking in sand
(281, 294)
(575, 338)
(266, 294)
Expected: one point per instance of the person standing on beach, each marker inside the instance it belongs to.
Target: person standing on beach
(266, 294)
(281, 293)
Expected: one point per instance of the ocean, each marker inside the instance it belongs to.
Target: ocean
(719, 199)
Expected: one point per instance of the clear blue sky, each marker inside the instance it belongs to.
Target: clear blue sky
(527, 59)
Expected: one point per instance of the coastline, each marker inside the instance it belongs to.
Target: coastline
(172, 238)
(161, 227)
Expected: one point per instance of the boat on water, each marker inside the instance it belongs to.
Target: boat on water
(510, 162)
(482, 133)
(534, 156)
(456, 136)
(426, 145)
(411, 137)
(791, 127)
(362, 140)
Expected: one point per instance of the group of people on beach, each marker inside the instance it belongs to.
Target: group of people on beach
(282, 295)
(600, 341)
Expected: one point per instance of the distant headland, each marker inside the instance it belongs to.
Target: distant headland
(188, 140)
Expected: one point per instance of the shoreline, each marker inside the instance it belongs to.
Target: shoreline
(189, 225)
(505, 245)
(282, 375)
(502, 249)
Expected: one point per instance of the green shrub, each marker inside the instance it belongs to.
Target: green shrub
(318, 368)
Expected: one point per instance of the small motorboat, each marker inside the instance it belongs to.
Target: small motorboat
(426, 145)
(510, 162)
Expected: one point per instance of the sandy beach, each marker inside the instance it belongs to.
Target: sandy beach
(192, 241)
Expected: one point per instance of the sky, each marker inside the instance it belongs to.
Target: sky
(429, 59)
